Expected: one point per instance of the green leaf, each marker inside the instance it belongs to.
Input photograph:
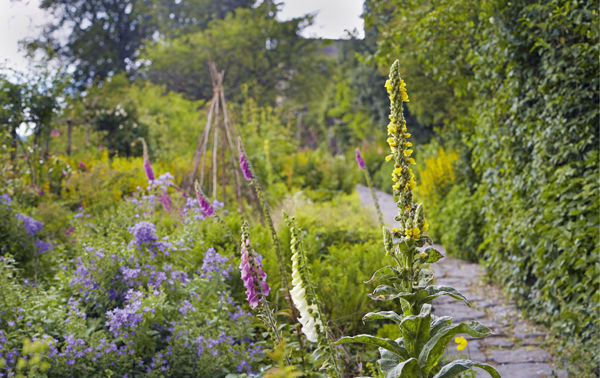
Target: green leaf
(388, 344)
(435, 347)
(408, 368)
(390, 315)
(454, 368)
(433, 254)
(435, 291)
(376, 277)
(438, 323)
(415, 329)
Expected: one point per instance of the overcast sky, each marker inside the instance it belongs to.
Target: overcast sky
(23, 19)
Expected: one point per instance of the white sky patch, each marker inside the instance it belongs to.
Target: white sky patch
(18, 20)
(333, 17)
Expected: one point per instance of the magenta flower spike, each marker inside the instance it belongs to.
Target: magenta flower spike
(244, 163)
(253, 275)
(205, 205)
(147, 165)
(359, 159)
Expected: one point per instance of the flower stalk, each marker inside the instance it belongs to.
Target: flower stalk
(307, 302)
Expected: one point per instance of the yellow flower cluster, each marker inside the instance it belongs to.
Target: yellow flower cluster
(401, 151)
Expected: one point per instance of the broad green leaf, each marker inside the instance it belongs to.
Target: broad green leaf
(388, 344)
(415, 329)
(390, 315)
(454, 368)
(409, 368)
(433, 254)
(435, 291)
(435, 347)
(438, 323)
(377, 275)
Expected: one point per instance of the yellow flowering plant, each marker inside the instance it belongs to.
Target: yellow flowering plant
(417, 353)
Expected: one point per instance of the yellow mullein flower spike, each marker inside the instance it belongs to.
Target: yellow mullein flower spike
(389, 157)
(397, 171)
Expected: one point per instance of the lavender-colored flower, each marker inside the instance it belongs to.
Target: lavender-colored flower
(166, 201)
(143, 232)
(5, 199)
(359, 159)
(214, 264)
(42, 246)
(244, 163)
(207, 208)
(31, 225)
(253, 276)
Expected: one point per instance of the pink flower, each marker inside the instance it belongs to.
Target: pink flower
(253, 276)
(359, 159)
(70, 231)
(207, 209)
(244, 164)
(54, 132)
(166, 201)
(100, 147)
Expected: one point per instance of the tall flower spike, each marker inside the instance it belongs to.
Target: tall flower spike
(309, 312)
(205, 205)
(244, 165)
(359, 159)
(146, 161)
(400, 147)
(251, 268)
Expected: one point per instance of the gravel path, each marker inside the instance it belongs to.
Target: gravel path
(516, 348)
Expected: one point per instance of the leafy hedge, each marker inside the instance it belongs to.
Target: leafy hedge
(523, 81)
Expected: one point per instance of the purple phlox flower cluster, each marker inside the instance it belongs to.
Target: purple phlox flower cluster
(143, 232)
(250, 352)
(239, 313)
(83, 277)
(359, 159)
(150, 275)
(253, 275)
(31, 225)
(211, 345)
(74, 309)
(121, 319)
(42, 246)
(163, 182)
(187, 307)
(6, 199)
(244, 164)
(214, 265)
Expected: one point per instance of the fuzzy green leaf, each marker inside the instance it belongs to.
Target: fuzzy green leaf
(415, 329)
(435, 347)
(388, 344)
(435, 291)
(438, 323)
(408, 368)
(454, 368)
(390, 315)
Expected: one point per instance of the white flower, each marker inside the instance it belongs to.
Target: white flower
(309, 314)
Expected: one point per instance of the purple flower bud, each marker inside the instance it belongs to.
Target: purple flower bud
(148, 169)
(359, 159)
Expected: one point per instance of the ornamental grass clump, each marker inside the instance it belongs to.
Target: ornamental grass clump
(417, 353)
(306, 301)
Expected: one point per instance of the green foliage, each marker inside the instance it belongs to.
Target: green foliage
(520, 83)
(252, 48)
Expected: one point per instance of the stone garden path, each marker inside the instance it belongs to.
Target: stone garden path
(516, 348)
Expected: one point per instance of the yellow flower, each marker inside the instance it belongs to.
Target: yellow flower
(408, 144)
(461, 341)
(412, 161)
(407, 153)
(423, 255)
(416, 233)
(392, 128)
(389, 157)
(407, 207)
(397, 171)
(408, 232)
(425, 226)
(407, 135)
(396, 186)
(403, 93)
(391, 142)
(388, 86)
(395, 230)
